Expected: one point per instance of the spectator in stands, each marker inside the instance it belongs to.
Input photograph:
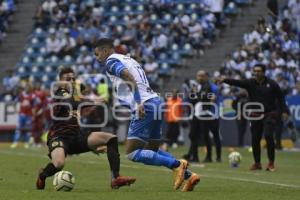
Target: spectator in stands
(10, 81)
(89, 32)
(7, 8)
(48, 6)
(147, 49)
(130, 33)
(273, 8)
(294, 6)
(182, 19)
(151, 68)
(216, 7)
(84, 61)
(159, 41)
(74, 32)
(68, 44)
(196, 35)
(53, 44)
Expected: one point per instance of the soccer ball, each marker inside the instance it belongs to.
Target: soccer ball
(235, 158)
(63, 181)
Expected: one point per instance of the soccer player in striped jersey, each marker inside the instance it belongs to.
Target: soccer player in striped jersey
(132, 89)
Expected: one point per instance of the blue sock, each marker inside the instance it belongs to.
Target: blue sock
(187, 174)
(166, 154)
(17, 135)
(149, 157)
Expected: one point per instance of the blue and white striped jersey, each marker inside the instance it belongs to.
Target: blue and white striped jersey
(114, 64)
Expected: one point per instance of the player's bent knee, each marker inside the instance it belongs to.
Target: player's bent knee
(142, 155)
(99, 138)
(132, 156)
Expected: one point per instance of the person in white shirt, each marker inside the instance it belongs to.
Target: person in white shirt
(151, 68)
(48, 6)
(160, 41)
(216, 7)
(53, 44)
(68, 44)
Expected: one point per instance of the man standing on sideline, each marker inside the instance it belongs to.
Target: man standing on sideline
(266, 92)
(205, 119)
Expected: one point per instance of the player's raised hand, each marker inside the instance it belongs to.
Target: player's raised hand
(141, 111)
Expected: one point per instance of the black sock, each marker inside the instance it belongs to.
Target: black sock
(49, 170)
(113, 157)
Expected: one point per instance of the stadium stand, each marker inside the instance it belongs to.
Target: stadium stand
(273, 42)
(158, 33)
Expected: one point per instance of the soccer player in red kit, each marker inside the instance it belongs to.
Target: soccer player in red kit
(24, 124)
(38, 121)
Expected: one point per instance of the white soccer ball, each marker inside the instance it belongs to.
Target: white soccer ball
(235, 158)
(63, 181)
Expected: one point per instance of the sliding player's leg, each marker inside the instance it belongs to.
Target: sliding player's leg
(57, 154)
(98, 141)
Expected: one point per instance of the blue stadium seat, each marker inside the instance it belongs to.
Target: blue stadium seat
(187, 50)
(231, 9)
(175, 60)
(39, 33)
(165, 69)
(154, 19)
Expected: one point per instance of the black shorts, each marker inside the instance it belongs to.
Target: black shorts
(72, 144)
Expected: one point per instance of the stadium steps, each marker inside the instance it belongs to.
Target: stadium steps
(215, 55)
(18, 32)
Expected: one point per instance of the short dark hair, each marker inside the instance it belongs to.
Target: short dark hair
(105, 42)
(65, 70)
(262, 66)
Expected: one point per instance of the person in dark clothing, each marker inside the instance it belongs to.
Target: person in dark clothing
(241, 121)
(273, 8)
(264, 92)
(66, 138)
(204, 119)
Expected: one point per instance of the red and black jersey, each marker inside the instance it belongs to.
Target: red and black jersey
(64, 116)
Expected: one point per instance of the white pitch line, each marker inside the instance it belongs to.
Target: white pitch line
(162, 169)
(253, 181)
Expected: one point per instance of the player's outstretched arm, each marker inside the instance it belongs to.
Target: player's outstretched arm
(239, 83)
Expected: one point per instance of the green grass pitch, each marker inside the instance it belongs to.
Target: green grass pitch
(18, 170)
